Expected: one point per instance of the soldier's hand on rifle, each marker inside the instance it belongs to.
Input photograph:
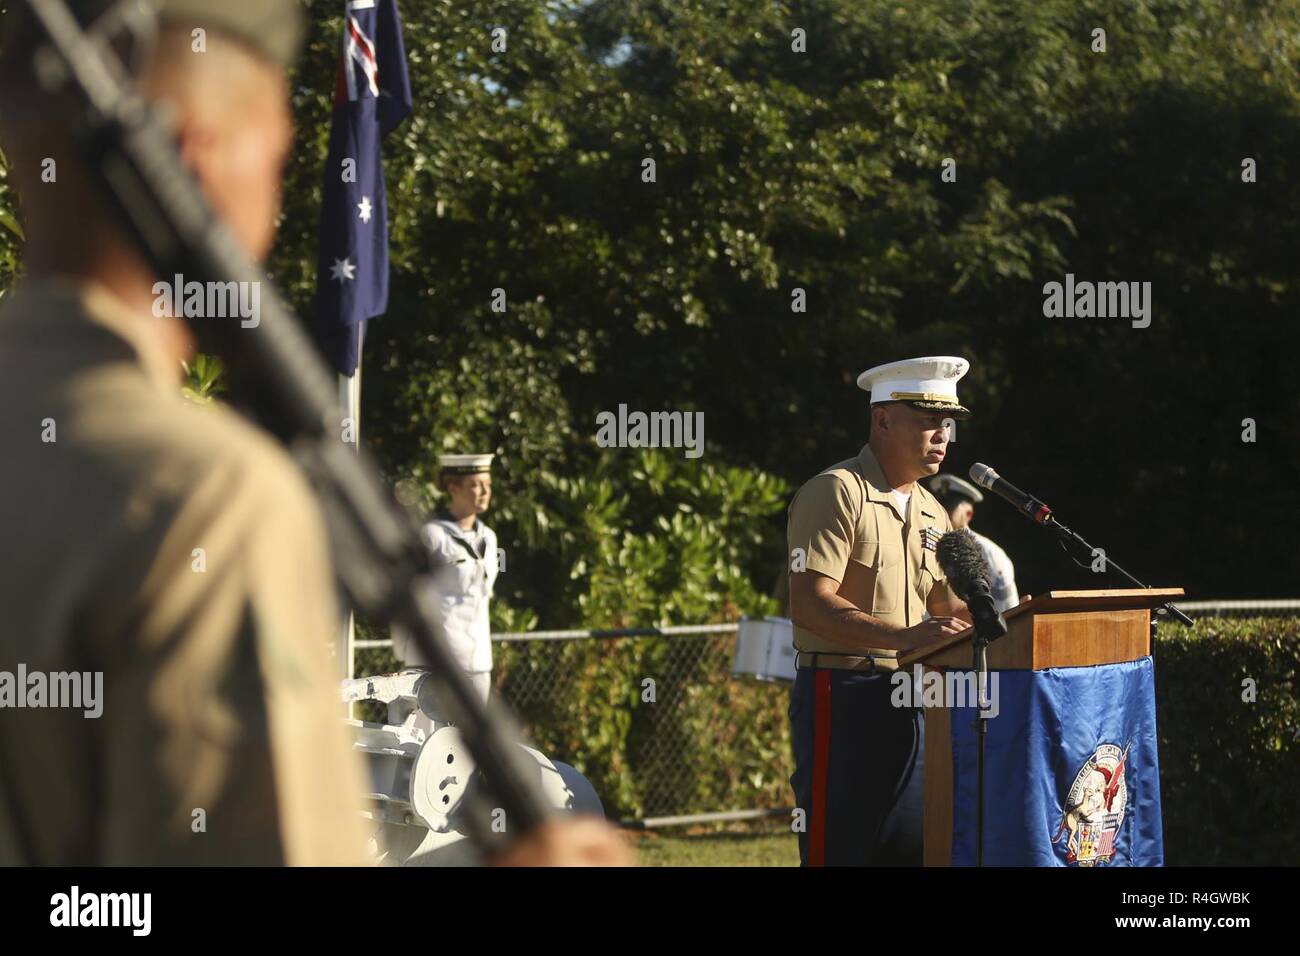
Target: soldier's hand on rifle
(569, 842)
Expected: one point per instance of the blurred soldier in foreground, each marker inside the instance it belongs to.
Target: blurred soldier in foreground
(175, 551)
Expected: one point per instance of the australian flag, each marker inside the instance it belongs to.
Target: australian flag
(372, 95)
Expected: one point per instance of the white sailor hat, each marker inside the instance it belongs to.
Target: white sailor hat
(929, 383)
(465, 464)
(950, 489)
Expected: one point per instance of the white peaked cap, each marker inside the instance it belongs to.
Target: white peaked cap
(465, 464)
(929, 383)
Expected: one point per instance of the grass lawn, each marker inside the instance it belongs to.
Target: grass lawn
(681, 846)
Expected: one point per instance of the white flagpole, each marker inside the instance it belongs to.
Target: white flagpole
(350, 402)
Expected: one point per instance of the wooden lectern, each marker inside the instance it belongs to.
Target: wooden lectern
(1056, 629)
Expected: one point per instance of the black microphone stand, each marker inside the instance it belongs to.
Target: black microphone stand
(1065, 534)
(989, 626)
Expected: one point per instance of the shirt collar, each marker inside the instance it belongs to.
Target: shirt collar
(446, 517)
(878, 489)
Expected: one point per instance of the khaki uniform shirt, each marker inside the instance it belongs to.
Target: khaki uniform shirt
(177, 551)
(847, 524)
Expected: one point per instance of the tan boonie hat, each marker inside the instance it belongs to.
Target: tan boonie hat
(929, 383)
(274, 28)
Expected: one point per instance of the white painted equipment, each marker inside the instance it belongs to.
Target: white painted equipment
(765, 649)
(420, 771)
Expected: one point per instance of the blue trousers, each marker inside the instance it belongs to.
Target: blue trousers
(858, 772)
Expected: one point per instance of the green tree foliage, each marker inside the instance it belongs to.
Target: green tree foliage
(203, 379)
(11, 230)
(775, 171)
(483, 182)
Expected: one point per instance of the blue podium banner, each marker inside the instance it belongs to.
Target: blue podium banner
(1071, 772)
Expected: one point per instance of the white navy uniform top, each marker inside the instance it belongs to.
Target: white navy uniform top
(466, 564)
(1003, 582)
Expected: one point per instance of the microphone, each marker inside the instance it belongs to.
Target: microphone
(1031, 507)
(968, 575)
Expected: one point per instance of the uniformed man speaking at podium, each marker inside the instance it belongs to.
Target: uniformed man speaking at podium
(863, 574)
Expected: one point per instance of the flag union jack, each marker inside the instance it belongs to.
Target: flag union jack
(359, 50)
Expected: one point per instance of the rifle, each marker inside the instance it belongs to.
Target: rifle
(275, 369)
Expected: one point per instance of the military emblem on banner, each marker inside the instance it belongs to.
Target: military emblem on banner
(930, 538)
(1095, 808)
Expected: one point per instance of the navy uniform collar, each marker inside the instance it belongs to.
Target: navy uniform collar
(448, 518)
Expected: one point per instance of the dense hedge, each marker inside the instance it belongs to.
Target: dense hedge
(1229, 768)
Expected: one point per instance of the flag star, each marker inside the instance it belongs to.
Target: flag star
(365, 208)
(343, 270)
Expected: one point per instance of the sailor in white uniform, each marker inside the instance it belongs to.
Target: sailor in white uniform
(464, 554)
(960, 498)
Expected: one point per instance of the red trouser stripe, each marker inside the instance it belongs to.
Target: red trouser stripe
(821, 764)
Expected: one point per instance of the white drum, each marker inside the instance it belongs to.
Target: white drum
(765, 649)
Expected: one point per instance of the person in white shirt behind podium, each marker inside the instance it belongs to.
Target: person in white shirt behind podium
(464, 554)
(959, 497)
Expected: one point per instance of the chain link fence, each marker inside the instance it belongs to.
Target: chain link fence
(652, 716)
